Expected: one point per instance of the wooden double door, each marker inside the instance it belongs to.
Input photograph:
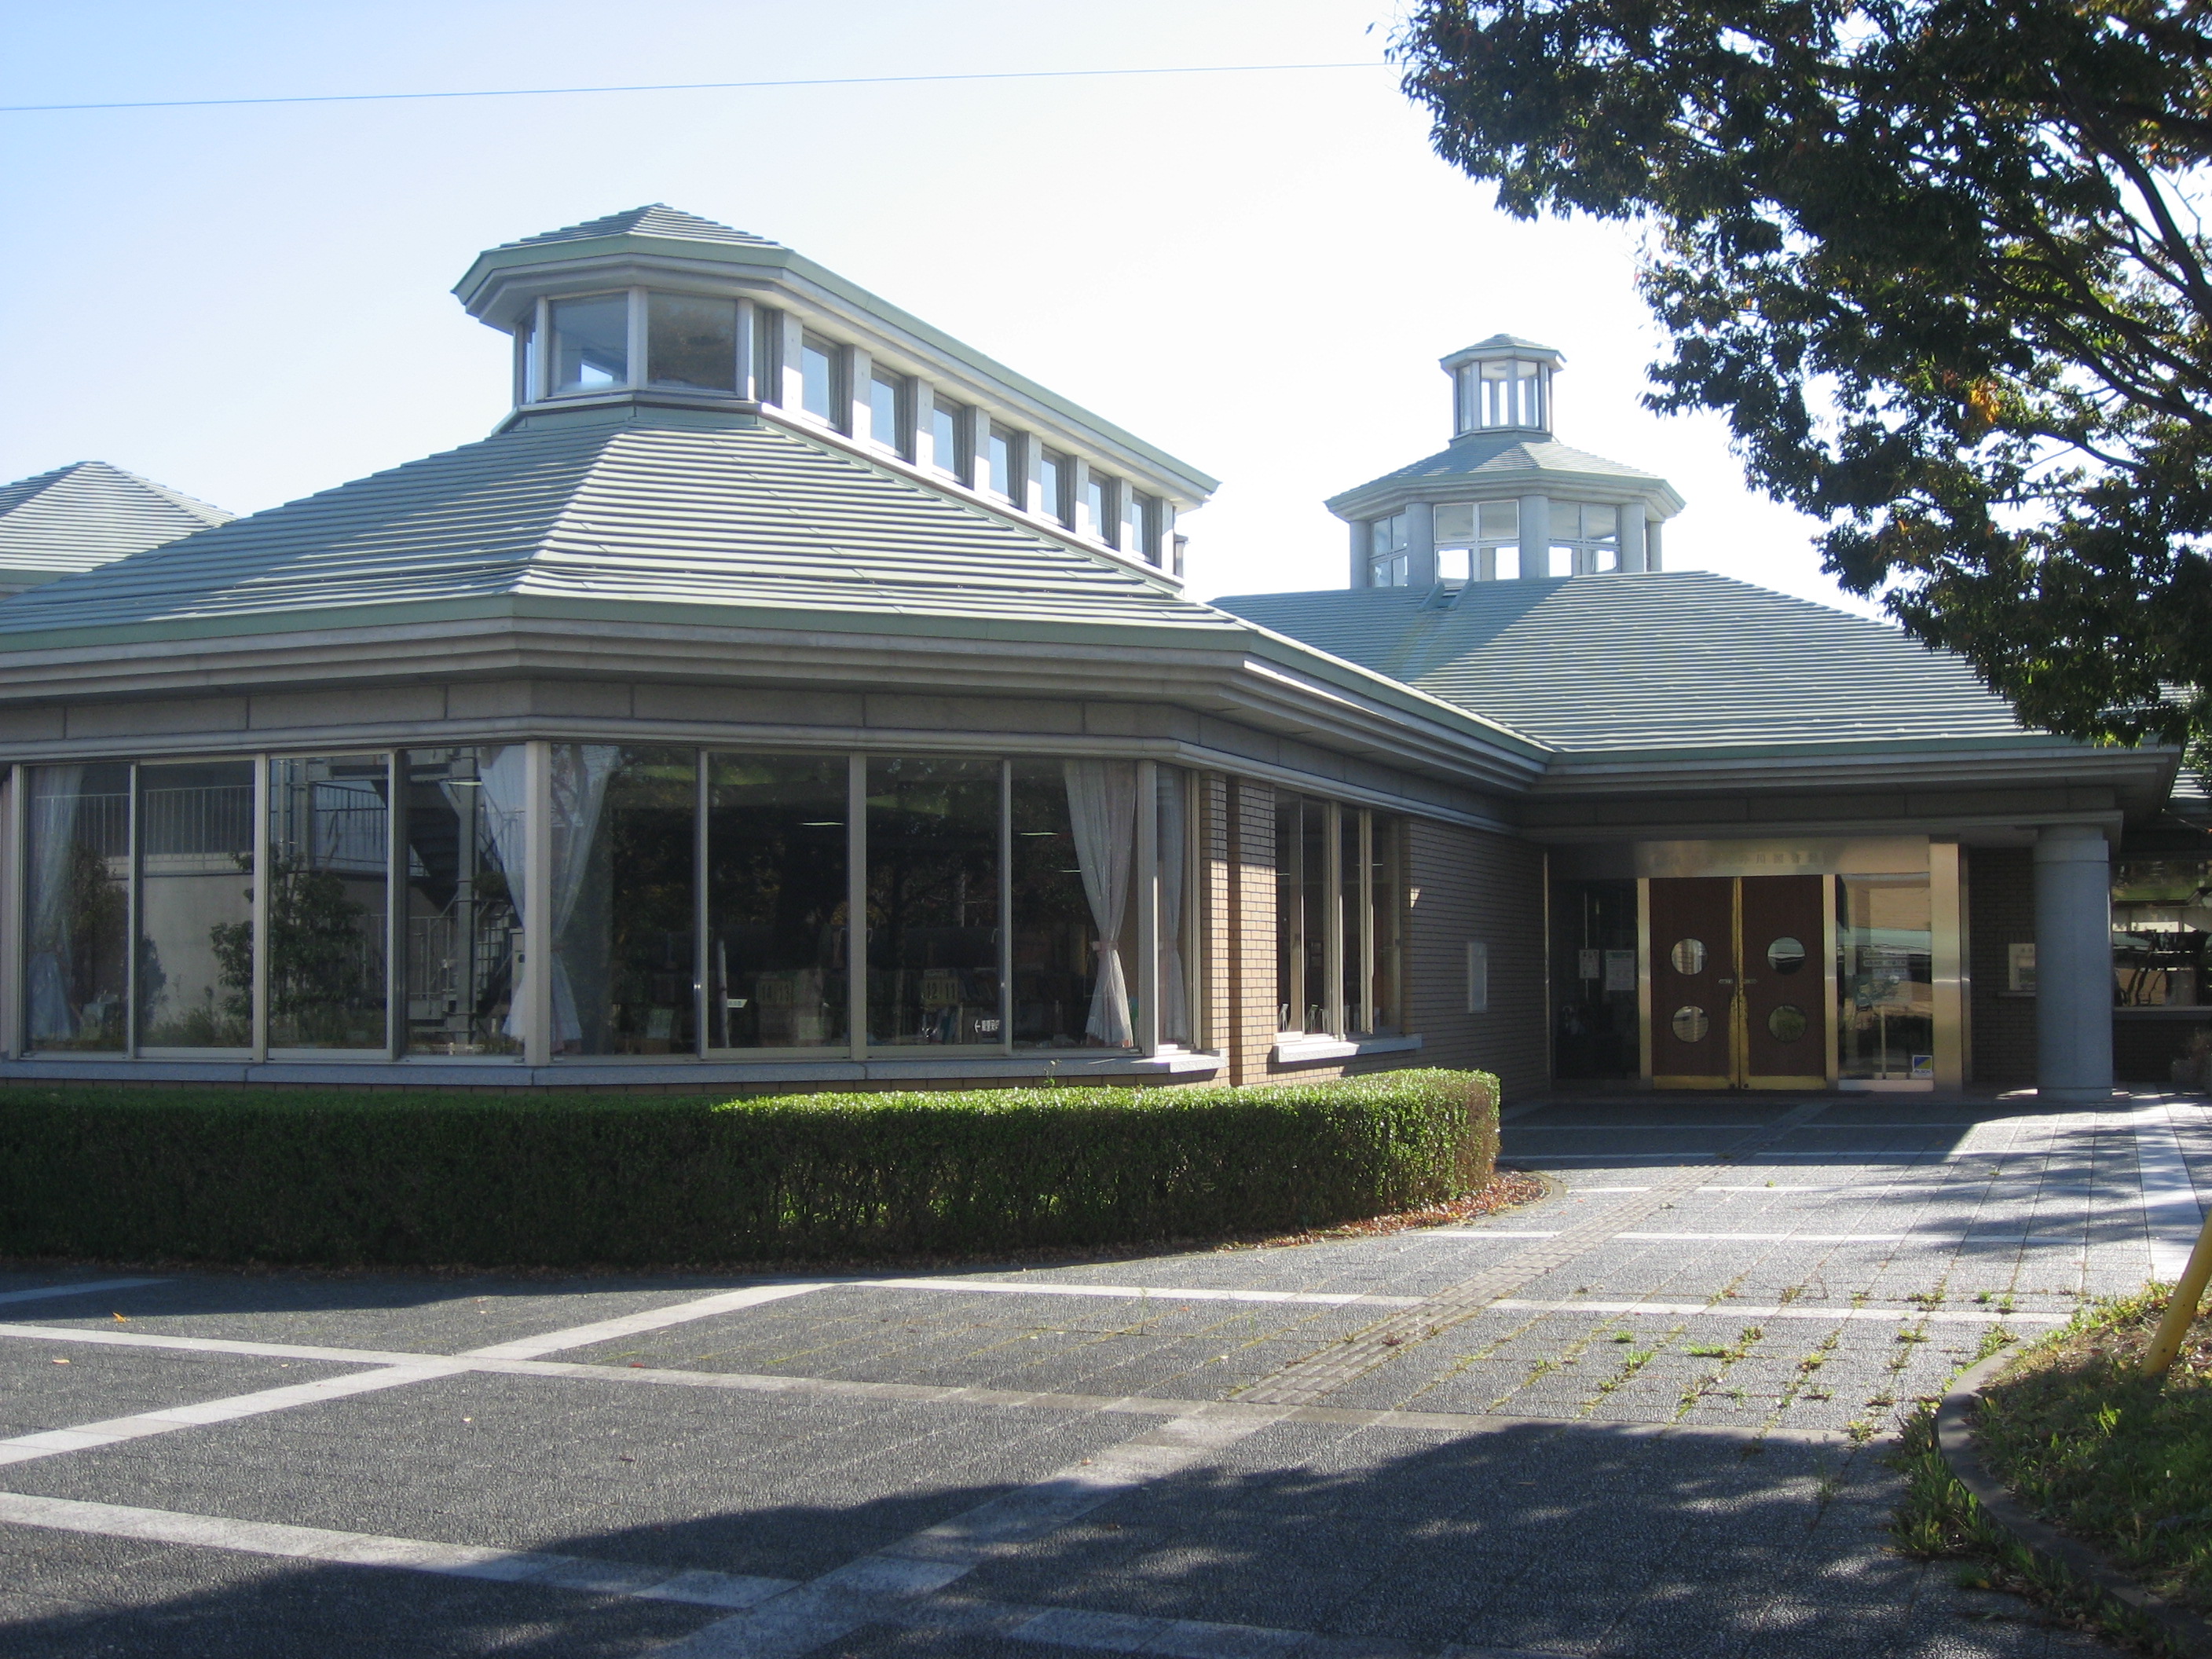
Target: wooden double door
(1738, 995)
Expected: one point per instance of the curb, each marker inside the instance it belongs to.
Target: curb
(1955, 1442)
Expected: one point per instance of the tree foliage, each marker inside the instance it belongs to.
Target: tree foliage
(1939, 262)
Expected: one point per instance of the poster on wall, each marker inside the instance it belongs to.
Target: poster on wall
(1620, 971)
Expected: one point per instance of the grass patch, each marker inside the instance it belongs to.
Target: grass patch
(423, 1178)
(2092, 1447)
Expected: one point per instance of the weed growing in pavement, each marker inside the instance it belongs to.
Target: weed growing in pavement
(1636, 1360)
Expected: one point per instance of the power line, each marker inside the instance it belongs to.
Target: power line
(690, 85)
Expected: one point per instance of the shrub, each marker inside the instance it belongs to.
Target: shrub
(346, 1178)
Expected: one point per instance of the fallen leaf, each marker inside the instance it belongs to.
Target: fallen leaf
(60, 1362)
(120, 1320)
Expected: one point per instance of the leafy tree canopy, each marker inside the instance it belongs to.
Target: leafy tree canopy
(1940, 262)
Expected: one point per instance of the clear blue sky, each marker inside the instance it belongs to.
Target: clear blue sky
(1257, 272)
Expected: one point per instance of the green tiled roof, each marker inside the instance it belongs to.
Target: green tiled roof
(665, 513)
(77, 517)
(1480, 456)
(1678, 661)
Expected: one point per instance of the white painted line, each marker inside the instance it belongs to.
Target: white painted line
(606, 1330)
(85, 1287)
(1784, 1238)
(1423, 1235)
(1148, 1293)
(2172, 1215)
(1780, 1310)
(925, 1562)
(1616, 1189)
(109, 1336)
(22, 1448)
(695, 1588)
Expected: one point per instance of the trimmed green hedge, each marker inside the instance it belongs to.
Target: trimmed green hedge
(344, 1178)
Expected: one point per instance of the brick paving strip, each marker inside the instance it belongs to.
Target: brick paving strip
(1304, 1381)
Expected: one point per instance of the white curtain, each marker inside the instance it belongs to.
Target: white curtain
(55, 793)
(580, 771)
(1101, 808)
(1175, 990)
(505, 774)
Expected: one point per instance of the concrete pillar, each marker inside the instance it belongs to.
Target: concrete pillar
(794, 372)
(1651, 545)
(1536, 536)
(859, 405)
(2073, 964)
(1420, 544)
(1631, 536)
(1361, 576)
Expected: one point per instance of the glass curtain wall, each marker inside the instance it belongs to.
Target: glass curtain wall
(778, 902)
(329, 874)
(462, 841)
(1886, 979)
(2161, 926)
(76, 907)
(1338, 904)
(624, 848)
(692, 903)
(195, 969)
(933, 901)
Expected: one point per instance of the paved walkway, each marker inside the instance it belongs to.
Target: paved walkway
(1643, 1416)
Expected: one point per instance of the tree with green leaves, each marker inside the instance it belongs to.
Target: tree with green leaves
(1940, 263)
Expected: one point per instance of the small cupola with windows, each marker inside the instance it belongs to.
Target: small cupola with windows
(654, 309)
(1506, 499)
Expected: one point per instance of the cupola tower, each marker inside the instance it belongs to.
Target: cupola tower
(1505, 500)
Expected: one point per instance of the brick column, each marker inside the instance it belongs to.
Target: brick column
(1249, 1033)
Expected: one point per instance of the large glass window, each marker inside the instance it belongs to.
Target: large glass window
(590, 342)
(777, 900)
(2161, 924)
(1885, 980)
(1338, 918)
(1074, 846)
(1139, 516)
(1386, 558)
(821, 363)
(463, 845)
(625, 845)
(691, 341)
(1177, 845)
(768, 355)
(196, 905)
(933, 842)
(328, 871)
(1504, 394)
(77, 907)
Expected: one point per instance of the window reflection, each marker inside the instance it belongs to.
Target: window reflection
(691, 341)
(620, 893)
(1075, 930)
(1884, 940)
(777, 904)
(933, 839)
(196, 905)
(463, 843)
(328, 869)
(590, 342)
(2162, 923)
(77, 906)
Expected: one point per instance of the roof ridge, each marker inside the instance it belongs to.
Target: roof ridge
(652, 219)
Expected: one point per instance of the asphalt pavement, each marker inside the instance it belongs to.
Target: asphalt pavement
(1645, 1415)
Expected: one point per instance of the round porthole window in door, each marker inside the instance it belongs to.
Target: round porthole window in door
(1688, 955)
(1690, 1024)
(1785, 955)
(1786, 1023)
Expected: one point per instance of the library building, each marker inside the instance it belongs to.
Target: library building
(785, 693)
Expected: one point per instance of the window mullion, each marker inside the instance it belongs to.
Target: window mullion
(1006, 907)
(1148, 908)
(131, 932)
(701, 989)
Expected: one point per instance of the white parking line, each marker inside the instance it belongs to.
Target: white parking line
(49, 1443)
(1151, 1293)
(358, 1549)
(653, 1319)
(1785, 1310)
(82, 1287)
(2172, 1215)
(404, 1369)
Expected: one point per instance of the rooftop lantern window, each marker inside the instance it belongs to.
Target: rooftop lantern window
(593, 342)
(1502, 385)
